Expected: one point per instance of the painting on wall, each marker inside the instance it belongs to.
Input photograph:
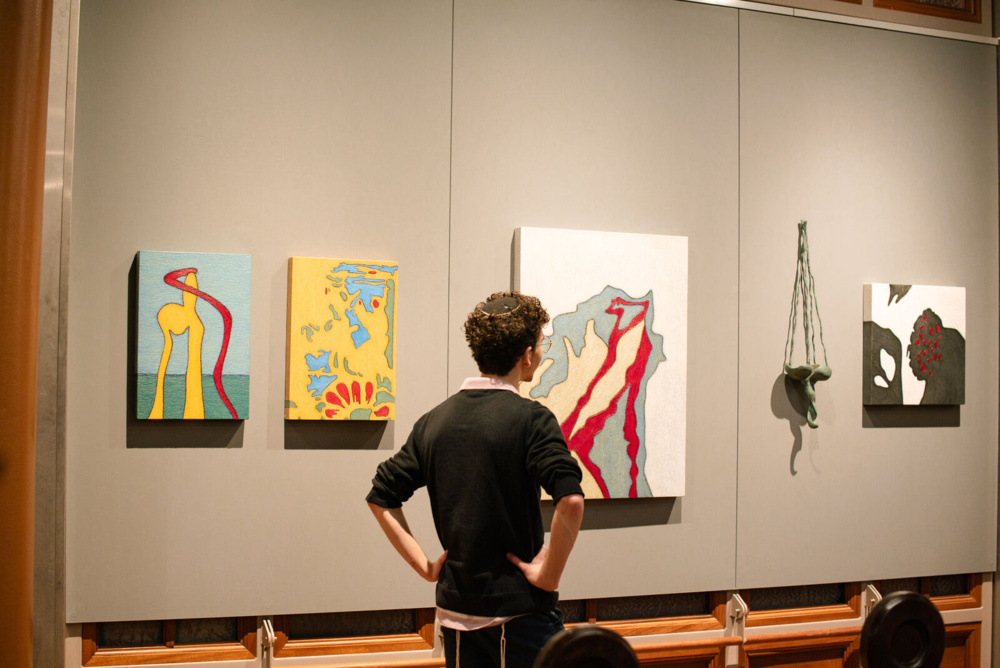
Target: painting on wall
(341, 344)
(193, 336)
(914, 345)
(962, 10)
(615, 374)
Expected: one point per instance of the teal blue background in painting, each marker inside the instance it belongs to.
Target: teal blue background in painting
(225, 277)
(174, 390)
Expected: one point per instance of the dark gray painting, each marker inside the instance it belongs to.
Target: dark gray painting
(931, 321)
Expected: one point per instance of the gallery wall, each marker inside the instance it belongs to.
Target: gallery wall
(886, 143)
(254, 129)
(425, 133)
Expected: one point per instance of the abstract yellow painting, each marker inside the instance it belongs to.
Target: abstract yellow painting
(341, 345)
(193, 336)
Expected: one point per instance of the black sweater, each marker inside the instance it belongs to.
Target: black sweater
(483, 455)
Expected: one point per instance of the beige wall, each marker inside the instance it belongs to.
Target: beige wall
(415, 133)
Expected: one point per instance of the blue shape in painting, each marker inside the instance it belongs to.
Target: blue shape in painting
(319, 384)
(360, 335)
(359, 281)
(319, 362)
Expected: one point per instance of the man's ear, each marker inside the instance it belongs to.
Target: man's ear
(525, 359)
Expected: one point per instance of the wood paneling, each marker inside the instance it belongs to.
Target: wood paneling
(412, 663)
(169, 652)
(961, 646)
(851, 609)
(709, 653)
(828, 648)
(187, 653)
(646, 627)
(833, 648)
(974, 599)
(423, 639)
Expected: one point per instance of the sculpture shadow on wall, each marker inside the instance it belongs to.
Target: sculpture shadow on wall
(339, 434)
(624, 513)
(788, 402)
(166, 433)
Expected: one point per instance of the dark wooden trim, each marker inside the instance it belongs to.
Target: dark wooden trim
(974, 14)
(423, 619)
(280, 623)
(851, 609)
(169, 633)
(717, 605)
(88, 633)
(246, 630)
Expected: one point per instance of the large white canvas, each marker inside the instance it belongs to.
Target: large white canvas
(565, 268)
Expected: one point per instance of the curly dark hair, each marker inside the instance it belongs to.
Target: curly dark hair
(500, 329)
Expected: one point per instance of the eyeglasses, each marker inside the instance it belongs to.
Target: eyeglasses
(545, 344)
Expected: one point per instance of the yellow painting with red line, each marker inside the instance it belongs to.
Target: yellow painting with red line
(341, 345)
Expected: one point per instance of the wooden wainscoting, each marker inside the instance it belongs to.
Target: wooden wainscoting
(841, 647)
(400, 642)
(850, 609)
(961, 646)
(831, 648)
(972, 599)
(708, 653)
(169, 651)
(715, 620)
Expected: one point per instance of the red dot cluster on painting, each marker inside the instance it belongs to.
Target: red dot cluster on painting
(928, 342)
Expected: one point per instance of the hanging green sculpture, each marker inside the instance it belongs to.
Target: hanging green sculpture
(811, 372)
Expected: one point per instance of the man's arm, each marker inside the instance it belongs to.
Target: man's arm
(545, 570)
(393, 523)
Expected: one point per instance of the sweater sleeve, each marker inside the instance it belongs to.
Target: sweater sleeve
(549, 459)
(397, 477)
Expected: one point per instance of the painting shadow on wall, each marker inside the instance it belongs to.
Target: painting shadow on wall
(624, 513)
(160, 433)
(339, 435)
(788, 402)
(890, 417)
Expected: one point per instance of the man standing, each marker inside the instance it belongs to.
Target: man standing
(484, 453)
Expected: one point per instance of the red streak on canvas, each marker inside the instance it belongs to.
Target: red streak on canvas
(173, 280)
(582, 442)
